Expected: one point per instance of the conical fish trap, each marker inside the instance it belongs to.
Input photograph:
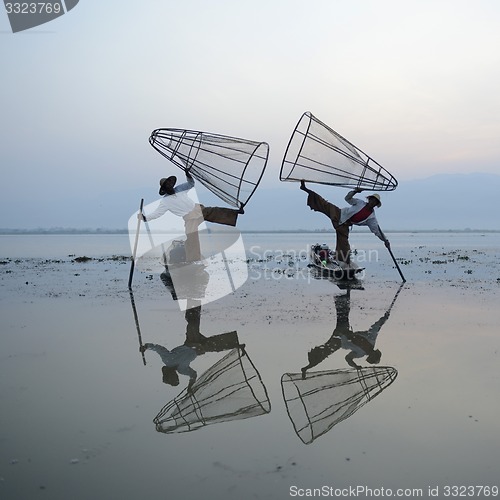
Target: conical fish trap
(230, 167)
(316, 153)
(232, 389)
(323, 399)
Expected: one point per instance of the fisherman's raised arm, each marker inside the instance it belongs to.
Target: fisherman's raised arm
(303, 187)
(350, 195)
(186, 186)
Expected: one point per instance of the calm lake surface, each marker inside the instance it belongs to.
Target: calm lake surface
(97, 245)
(300, 383)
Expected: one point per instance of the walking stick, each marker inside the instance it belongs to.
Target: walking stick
(132, 265)
(394, 259)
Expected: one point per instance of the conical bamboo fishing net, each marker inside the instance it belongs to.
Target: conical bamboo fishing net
(316, 153)
(318, 401)
(230, 167)
(232, 389)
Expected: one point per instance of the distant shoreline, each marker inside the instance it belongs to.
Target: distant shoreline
(74, 231)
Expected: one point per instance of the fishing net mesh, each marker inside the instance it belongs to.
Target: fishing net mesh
(323, 399)
(228, 166)
(232, 389)
(316, 153)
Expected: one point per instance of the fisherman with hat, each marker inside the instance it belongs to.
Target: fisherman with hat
(175, 199)
(359, 213)
(176, 361)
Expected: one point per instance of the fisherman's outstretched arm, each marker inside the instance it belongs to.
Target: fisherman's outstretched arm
(375, 328)
(375, 229)
(154, 347)
(162, 209)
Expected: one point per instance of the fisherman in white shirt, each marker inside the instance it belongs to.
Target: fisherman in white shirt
(175, 199)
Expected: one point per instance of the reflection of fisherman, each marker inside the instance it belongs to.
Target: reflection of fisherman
(177, 201)
(190, 281)
(363, 344)
(178, 360)
(359, 344)
(359, 213)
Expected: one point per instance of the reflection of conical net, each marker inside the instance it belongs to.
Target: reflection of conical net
(230, 390)
(316, 153)
(230, 167)
(323, 399)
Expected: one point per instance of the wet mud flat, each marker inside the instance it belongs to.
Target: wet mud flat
(85, 414)
(79, 275)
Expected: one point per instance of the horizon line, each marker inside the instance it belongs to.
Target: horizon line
(69, 230)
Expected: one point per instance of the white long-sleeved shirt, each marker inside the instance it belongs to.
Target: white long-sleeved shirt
(178, 203)
(355, 206)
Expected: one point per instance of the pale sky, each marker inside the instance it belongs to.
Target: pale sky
(414, 84)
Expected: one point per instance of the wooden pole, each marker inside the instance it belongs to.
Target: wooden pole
(132, 265)
(393, 258)
(397, 266)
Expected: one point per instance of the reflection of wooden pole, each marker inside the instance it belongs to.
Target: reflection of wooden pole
(132, 265)
(395, 297)
(136, 318)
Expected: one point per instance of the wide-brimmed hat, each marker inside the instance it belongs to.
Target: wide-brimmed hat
(170, 375)
(163, 181)
(377, 197)
(374, 357)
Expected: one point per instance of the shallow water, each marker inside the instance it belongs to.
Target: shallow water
(79, 400)
(56, 246)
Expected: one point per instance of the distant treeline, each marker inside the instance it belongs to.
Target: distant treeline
(57, 230)
(63, 230)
